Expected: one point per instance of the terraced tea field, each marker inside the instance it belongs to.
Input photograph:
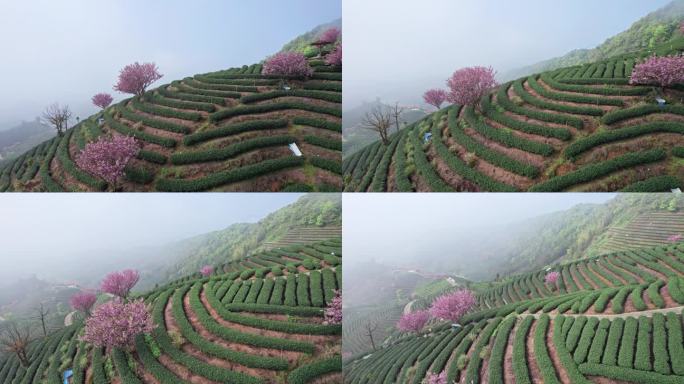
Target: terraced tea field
(302, 235)
(222, 131)
(615, 318)
(646, 230)
(580, 128)
(241, 325)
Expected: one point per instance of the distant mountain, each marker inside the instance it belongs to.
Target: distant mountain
(302, 42)
(656, 28)
(567, 235)
(17, 140)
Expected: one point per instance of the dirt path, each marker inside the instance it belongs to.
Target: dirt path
(407, 307)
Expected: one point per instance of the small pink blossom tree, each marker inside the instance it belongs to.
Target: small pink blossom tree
(452, 306)
(414, 321)
(108, 156)
(335, 57)
(102, 100)
(135, 78)
(207, 270)
(333, 313)
(83, 301)
(329, 36)
(434, 378)
(287, 64)
(120, 283)
(674, 238)
(467, 85)
(660, 71)
(115, 324)
(551, 278)
(435, 97)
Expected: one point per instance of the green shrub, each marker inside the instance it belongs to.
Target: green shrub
(307, 373)
(279, 106)
(626, 354)
(318, 123)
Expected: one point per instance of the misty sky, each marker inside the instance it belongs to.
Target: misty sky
(66, 51)
(396, 49)
(392, 228)
(37, 228)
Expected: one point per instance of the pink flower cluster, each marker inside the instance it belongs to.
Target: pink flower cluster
(120, 283)
(335, 57)
(674, 238)
(83, 301)
(135, 78)
(414, 321)
(551, 277)
(452, 306)
(435, 97)
(287, 64)
(329, 36)
(434, 378)
(116, 324)
(102, 100)
(468, 85)
(207, 270)
(661, 71)
(107, 157)
(333, 313)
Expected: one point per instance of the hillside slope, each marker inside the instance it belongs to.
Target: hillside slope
(655, 28)
(221, 131)
(17, 140)
(241, 240)
(241, 325)
(612, 319)
(577, 129)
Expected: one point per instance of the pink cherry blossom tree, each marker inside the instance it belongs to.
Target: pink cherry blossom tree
(102, 100)
(287, 64)
(452, 306)
(660, 71)
(435, 97)
(551, 278)
(413, 321)
(335, 57)
(333, 313)
(329, 36)
(108, 156)
(83, 301)
(467, 85)
(135, 78)
(436, 378)
(120, 283)
(207, 270)
(115, 324)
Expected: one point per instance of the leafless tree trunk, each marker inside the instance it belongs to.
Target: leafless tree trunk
(58, 117)
(370, 328)
(42, 313)
(379, 119)
(16, 339)
(396, 114)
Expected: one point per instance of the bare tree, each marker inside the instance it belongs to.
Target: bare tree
(16, 339)
(58, 117)
(42, 314)
(370, 328)
(379, 119)
(396, 114)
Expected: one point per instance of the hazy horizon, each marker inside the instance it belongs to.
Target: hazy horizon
(69, 50)
(405, 228)
(395, 50)
(40, 230)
